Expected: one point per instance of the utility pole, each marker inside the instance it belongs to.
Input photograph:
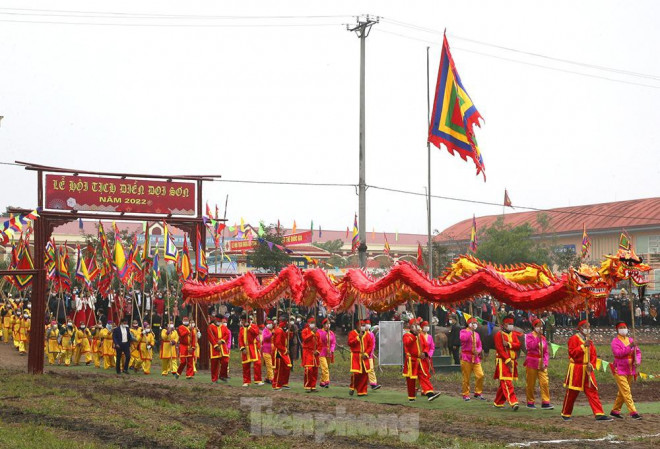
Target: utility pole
(362, 29)
(428, 149)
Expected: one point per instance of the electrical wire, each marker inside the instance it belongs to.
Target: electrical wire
(176, 25)
(632, 83)
(528, 53)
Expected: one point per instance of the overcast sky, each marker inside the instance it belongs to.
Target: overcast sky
(254, 101)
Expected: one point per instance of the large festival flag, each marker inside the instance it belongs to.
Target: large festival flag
(387, 244)
(121, 263)
(155, 270)
(81, 268)
(624, 241)
(23, 262)
(49, 259)
(356, 238)
(105, 246)
(171, 253)
(92, 267)
(137, 261)
(186, 269)
(507, 200)
(208, 210)
(473, 235)
(454, 115)
(105, 277)
(200, 259)
(586, 241)
(63, 276)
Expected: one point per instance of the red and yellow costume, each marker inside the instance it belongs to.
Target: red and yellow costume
(187, 345)
(281, 356)
(507, 345)
(218, 337)
(83, 347)
(311, 347)
(580, 375)
(360, 344)
(415, 363)
(248, 343)
(147, 342)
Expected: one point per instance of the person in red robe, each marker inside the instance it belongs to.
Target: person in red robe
(580, 376)
(311, 347)
(360, 343)
(280, 355)
(416, 363)
(507, 346)
(187, 346)
(248, 343)
(213, 333)
(225, 348)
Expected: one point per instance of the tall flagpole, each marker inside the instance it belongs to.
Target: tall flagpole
(428, 201)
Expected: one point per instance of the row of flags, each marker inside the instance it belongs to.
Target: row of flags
(15, 225)
(601, 364)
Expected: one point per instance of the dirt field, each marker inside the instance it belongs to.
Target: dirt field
(96, 408)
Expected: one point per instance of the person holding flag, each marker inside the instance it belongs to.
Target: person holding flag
(627, 357)
(580, 376)
(169, 339)
(147, 342)
(536, 364)
(327, 355)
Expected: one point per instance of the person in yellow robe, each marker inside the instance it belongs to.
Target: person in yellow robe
(24, 333)
(136, 332)
(146, 345)
(68, 342)
(16, 329)
(97, 347)
(169, 338)
(6, 322)
(83, 345)
(107, 346)
(52, 343)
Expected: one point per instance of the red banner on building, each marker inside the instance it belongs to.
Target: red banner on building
(88, 193)
(237, 246)
(297, 239)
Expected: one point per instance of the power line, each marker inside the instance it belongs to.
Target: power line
(175, 25)
(632, 83)
(287, 183)
(538, 55)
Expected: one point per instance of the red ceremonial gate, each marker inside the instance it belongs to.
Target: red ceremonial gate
(66, 195)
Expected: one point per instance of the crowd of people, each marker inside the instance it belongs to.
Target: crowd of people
(284, 336)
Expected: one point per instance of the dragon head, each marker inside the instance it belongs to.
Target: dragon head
(626, 264)
(587, 282)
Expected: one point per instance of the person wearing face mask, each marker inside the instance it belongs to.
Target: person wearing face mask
(454, 338)
(53, 346)
(68, 342)
(280, 353)
(107, 346)
(136, 333)
(580, 376)
(627, 358)
(122, 338)
(266, 349)
(146, 345)
(415, 367)
(169, 339)
(536, 365)
(6, 322)
(471, 354)
(360, 344)
(373, 381)
(507, 346)
(327, 355)
(225, 348)
(83, 346)
(187, 344)
(311, 348)
(219, 352)
(248, 343)
(425, 334)
(97, 350)
(24, 333)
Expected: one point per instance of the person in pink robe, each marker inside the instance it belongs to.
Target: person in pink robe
(627, 357)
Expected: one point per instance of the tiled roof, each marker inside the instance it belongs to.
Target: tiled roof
(567, 220)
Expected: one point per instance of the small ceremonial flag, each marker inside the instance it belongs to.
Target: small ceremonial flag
(171, 252)
(200, 259)
(120, 257)
(80, 224)
(554, 348)
(586, 241)
(507, 200)
(454, 115)
(242, 225)
(420, 255)
(347, 231)
(356, 239)
(599, 363)
(320, 231)
(387, 245)
(624, 241)
(605, 364)
(261, 229)
(467, 316)
(311, 227)
(186, 269)
(217, 214)
(473, 235)
(208, 210)
(293, 230)
(644, 376)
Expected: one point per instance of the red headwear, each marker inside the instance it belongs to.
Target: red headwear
(508, 320)
(412, 321)
(582, 323)
(472, 320)
(269, 321)
(425, 323)
(311, 320)
(325, 321)
(621, 325)
(537, 322)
